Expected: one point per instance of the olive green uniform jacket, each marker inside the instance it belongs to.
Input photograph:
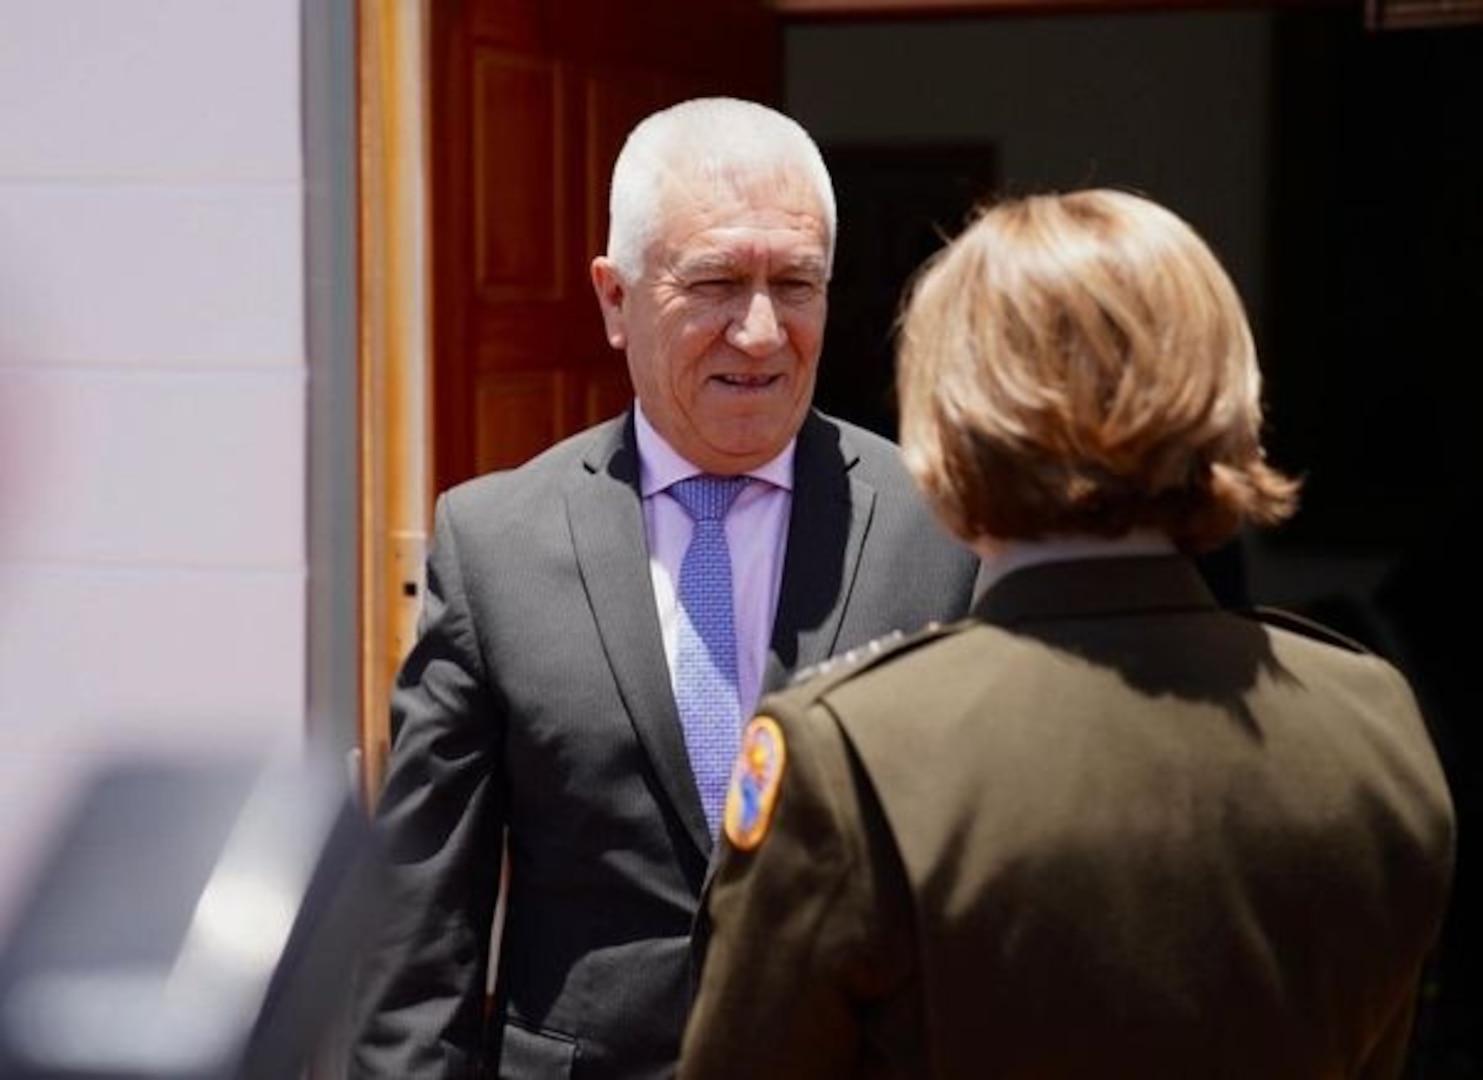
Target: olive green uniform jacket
(1100, 829)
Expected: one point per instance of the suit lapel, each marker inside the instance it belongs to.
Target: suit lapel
(831, 512)
(605, 512)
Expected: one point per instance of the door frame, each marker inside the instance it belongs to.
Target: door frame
(394, 355)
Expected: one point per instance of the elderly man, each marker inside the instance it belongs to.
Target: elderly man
(600, 621)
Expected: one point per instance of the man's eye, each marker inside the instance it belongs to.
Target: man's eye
(797, 290)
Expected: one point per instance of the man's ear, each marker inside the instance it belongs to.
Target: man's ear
(610, 289)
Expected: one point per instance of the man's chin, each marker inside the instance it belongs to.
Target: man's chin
(729, 457)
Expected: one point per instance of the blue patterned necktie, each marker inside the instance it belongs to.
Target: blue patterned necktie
(707, 690)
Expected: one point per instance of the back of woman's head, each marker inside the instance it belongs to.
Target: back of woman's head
(1081, 364)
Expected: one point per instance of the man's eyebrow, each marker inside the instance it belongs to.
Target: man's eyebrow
(701, 265)
(809, 266)
(720, 265)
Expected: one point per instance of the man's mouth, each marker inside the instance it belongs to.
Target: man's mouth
(748, 382)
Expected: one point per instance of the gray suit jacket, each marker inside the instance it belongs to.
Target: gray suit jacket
(537, 703)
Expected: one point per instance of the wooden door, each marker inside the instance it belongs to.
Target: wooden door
(530, 101)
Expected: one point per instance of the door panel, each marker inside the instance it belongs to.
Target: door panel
(531, 100)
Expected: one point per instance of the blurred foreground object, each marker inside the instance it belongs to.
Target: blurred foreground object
(194, 919)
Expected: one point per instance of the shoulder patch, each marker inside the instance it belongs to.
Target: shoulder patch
(754, 783)
(1301, 624)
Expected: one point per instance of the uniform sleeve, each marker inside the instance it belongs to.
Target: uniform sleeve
(419, 995)
(1388, 1054)
(789, 958)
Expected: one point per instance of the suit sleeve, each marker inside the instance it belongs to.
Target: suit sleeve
(419, 994)
(791, 954)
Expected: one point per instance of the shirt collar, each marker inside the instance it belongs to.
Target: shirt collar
(660, 465)
(1016, 554)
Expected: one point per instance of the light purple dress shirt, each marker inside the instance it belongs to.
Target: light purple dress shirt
(756, 533)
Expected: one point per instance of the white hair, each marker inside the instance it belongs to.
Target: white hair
(711, 136)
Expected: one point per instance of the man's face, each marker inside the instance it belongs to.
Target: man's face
(723, 330)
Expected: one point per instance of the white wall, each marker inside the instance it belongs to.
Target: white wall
(152, 390)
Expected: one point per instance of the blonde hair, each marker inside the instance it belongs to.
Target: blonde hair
(1081, 364)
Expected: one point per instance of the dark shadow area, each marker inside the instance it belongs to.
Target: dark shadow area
(1375, 279)
(897, 205)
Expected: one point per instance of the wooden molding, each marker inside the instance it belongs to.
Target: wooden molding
(804, 10)
(1409, 14)
(395, 501)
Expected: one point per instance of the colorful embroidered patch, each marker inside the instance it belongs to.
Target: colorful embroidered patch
(754, 783)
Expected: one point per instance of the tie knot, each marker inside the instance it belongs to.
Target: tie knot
(707, 498)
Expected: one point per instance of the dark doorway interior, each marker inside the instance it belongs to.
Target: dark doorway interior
(1375, 285)
(897, 205)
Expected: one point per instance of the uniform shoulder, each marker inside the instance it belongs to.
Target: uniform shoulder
(1303, 625)
(813, 682)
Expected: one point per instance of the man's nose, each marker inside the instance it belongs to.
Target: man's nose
(757, 330)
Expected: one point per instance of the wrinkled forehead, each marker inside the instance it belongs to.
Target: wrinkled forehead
(784, 183)
(704, 195)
